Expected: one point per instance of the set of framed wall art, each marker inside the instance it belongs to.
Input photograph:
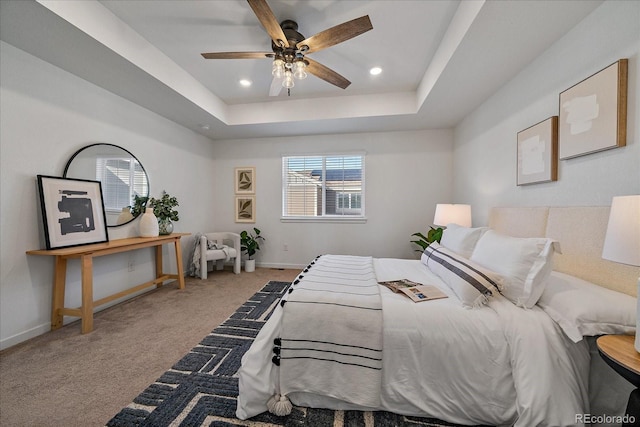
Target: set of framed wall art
(592, 117)
(245, 190)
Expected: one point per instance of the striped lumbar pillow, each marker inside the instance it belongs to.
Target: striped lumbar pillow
(471, 283)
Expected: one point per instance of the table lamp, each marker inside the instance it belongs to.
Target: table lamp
(456, 214)
(622, 241)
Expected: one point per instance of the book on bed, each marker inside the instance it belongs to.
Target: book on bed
(414, 290)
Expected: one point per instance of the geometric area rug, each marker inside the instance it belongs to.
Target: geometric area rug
(201, 388)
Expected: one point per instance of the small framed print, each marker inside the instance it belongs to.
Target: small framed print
(245, 178)
(245, 209)
(72, 212)
(538, 152)
(593, 113)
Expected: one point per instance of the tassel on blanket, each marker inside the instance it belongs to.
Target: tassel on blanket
(276, 350)
(279, 405)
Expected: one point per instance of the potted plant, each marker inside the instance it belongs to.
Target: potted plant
(433, 235)
(163, 210)
(250, 243)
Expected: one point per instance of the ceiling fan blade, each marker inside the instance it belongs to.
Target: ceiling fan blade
(276, 86)
(237, 55)
(269, 22)
(338, 34)
(326, 74)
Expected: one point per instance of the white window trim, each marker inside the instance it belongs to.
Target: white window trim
(326, 218)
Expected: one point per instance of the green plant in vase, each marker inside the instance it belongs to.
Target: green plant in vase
(163, 208)
(433, 235)
(250, 242)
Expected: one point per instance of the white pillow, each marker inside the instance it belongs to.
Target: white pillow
(582, 308)
(525, 264)
(471, 283)
(461, 240)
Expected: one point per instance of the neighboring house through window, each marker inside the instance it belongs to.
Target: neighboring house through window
(327, 186)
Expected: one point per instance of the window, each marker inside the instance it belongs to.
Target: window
(122, 178)
(328, 187)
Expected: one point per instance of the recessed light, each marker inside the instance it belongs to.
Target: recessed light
(245, 83)
(375, 71)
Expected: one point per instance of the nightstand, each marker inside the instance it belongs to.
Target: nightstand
(619, 353)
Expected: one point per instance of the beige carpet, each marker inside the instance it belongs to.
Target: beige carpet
(67, 379)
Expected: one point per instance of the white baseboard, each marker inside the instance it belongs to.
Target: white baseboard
(25, 335)
(285, 266)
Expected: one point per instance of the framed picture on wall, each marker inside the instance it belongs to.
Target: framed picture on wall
(593, 113)
(245, 209)
(538, 152)
(245, 180)
(72, 211)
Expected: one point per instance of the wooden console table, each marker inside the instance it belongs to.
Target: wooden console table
(86, 254)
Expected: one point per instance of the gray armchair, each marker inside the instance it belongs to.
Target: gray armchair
(219, 247)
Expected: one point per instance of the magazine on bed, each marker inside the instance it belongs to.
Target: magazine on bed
(414, 290)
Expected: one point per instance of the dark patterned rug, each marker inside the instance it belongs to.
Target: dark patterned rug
(201, 389)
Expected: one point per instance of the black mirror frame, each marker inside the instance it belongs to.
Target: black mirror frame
(66, 168)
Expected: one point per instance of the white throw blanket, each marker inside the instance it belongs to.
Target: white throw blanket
(331, 341)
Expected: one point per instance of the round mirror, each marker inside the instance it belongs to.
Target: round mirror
(122, 177)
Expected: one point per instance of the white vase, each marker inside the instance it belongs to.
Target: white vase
(149, 224)
(249, 265)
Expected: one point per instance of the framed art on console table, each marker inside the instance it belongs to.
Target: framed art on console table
(72, 212)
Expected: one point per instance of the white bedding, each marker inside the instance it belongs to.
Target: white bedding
(499, 364)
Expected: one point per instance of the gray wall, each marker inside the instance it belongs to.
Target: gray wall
(485, 142)
(47, 114)
(407, 173)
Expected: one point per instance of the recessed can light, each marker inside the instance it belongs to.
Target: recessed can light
(245, 83)
(375, 71)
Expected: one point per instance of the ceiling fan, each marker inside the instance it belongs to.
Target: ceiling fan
(290, 48)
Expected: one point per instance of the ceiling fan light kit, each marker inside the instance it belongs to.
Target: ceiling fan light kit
(290, 47)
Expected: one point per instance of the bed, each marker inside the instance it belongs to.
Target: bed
(493, 352)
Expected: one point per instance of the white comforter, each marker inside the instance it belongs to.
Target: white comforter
(499, 364)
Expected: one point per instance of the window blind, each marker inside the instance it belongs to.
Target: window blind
(121, 178)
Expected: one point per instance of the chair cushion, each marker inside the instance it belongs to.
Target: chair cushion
(214, 254)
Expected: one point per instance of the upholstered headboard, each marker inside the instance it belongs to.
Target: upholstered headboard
(580, 231)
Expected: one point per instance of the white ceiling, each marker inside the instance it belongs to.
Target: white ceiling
(440, 59)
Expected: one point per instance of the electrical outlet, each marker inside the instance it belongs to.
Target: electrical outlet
(131, 266)
(285, 247)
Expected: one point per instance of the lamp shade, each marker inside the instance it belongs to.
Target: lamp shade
(622, 241)
(452, 214)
